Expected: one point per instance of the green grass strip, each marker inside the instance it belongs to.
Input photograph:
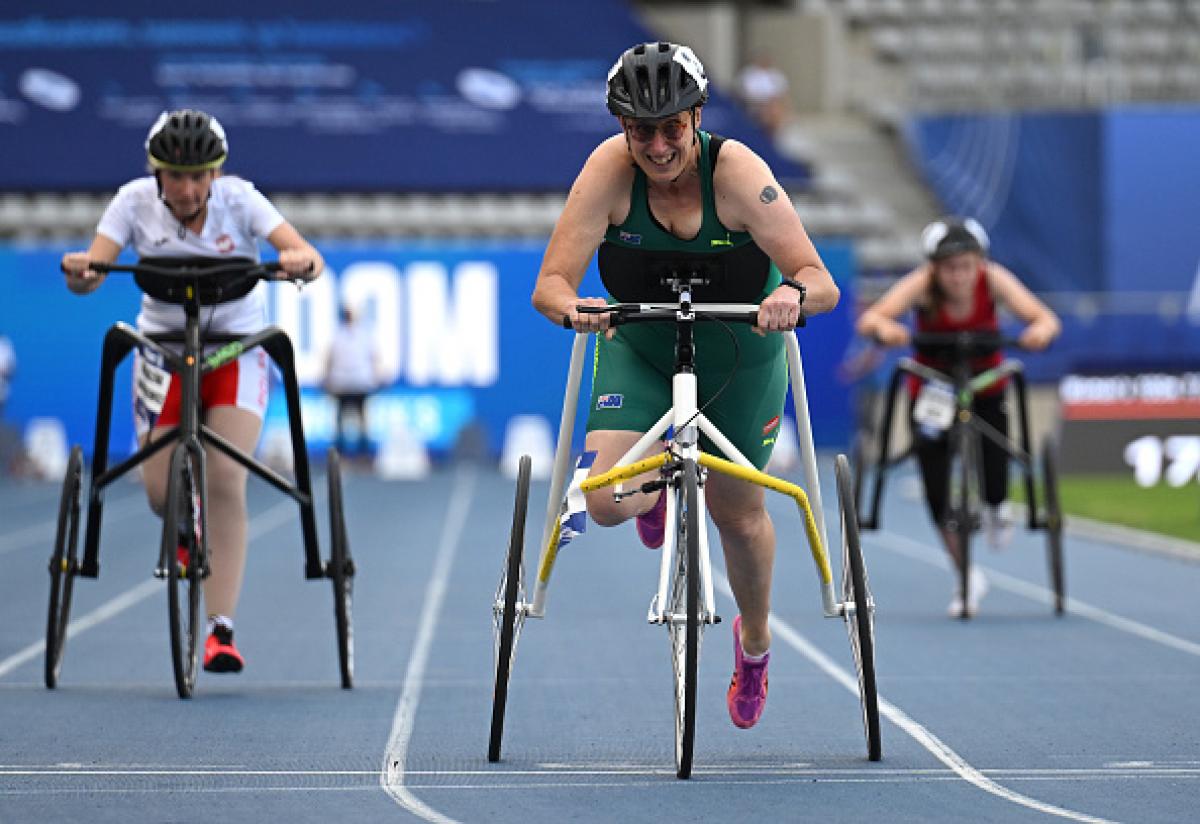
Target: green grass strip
(1117, 499)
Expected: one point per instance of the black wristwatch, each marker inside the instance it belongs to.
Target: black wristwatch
(798, 286)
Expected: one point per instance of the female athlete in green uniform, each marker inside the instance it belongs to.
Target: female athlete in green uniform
(665, 185)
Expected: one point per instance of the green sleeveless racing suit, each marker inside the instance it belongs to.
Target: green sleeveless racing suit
(631, 383)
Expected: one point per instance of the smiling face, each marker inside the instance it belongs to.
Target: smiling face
(186, 193)
(663, 148)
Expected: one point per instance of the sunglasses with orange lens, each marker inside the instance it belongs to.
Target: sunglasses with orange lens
(643, 132)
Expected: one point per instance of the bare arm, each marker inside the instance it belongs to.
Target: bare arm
(881, 320)
(606, 178)
(80, 279)
(749, 198)
(296, 255)
(1042, 325)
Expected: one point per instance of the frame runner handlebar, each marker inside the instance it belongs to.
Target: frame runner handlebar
(648, 312)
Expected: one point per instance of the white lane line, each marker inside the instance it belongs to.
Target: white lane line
(1018, 774)
(916, 731)
(395, 757)
(272, 518)
(43, 533)
(918, 551)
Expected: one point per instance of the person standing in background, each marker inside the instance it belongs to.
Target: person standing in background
(763, 88)
(351, 370)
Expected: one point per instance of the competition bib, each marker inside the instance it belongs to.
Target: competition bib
(152, 383)
(935, 406)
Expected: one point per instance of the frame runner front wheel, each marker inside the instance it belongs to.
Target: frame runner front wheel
(508, 608)
(858, 609)
(683, 618)
(1054, 525)
(184, 551)
(63, 566)
(341, 572)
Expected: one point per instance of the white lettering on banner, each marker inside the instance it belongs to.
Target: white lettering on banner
(1147, 454)
(431, 328)
(1150, 387)
(309, 316)
(1184, 453)
(453, 343)
(373, 289)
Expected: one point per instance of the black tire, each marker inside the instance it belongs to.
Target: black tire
(963, 517)
(685, 598)
(185, 492)
(64, 565)
(341, 571)
(508, 614)
(861, 626)
(1054, 525)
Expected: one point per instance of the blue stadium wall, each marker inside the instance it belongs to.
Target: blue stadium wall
(461, 343)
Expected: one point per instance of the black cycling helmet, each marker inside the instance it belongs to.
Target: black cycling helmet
(653, 80)
(952, 236)
(186, 141)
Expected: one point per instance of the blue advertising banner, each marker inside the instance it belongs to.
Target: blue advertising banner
(458, 95)
(1090, 201)
(1035, 181)
(1152, 198)
(457, 340)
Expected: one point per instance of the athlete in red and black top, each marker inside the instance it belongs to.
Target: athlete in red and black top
(959, 289)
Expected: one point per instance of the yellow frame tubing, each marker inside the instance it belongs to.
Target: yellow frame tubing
(816, 547)
(612, 476)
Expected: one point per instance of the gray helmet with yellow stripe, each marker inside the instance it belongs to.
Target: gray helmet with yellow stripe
(186, 140)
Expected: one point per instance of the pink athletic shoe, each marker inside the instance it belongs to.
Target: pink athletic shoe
(747, 696)
(652, 524)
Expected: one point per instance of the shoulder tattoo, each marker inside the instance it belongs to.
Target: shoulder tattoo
(768, 194)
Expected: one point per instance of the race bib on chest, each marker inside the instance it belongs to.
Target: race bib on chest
(935, 406)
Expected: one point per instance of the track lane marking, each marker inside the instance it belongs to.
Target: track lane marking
(43, 533)
(272, 518)
(395, 756)
(914, 730)
(910, 548)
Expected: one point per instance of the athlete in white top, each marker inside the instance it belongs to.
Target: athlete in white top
(186, 209)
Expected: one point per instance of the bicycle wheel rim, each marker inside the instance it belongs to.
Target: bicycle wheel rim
(684, 623)
(507, 619)
(1054, 526)
(856, 590)
(183, 585)
(63, 567)
(341, 572)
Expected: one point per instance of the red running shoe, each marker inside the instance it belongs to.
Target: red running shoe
(747, 696)
(652, 524)
(220, 655)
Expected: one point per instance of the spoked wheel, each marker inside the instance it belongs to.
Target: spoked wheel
(1054, 524)
(684, 615)
(63, 566)
(341, 571)
(508, 609)
(859, 609)
(184, 553)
